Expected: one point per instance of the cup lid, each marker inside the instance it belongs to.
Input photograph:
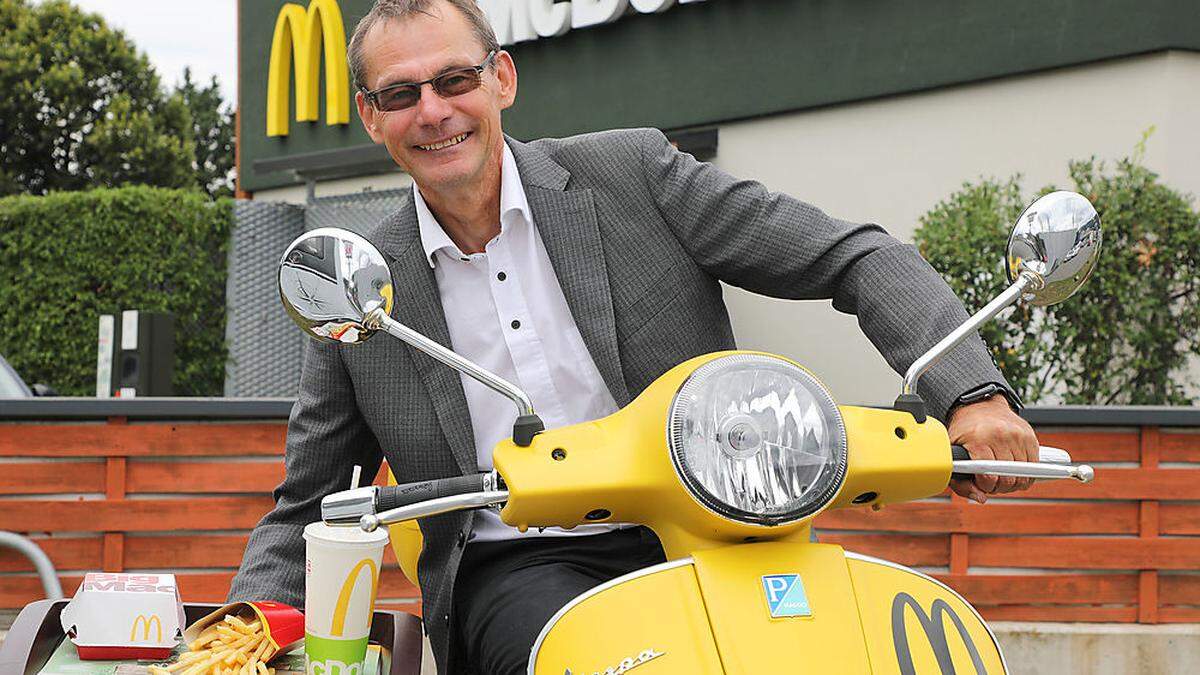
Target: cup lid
(319, 531)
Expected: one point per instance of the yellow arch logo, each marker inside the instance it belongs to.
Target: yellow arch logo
(145, 623)
(343, 601)
(300, 36)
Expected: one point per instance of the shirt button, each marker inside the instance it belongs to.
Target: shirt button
(501, 276)
(446, 619)
(516, 324)
(462, 539)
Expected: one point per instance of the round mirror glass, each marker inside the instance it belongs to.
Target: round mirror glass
(1057, 240)
(329, 279)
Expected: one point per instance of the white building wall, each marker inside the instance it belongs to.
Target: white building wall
(890, 160)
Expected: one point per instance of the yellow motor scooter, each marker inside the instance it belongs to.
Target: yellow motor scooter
(728, 457)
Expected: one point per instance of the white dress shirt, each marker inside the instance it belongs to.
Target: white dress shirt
(506, 312)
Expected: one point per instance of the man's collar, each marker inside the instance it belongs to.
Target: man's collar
(512, 199)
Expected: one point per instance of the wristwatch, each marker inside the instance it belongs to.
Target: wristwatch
(986, 391)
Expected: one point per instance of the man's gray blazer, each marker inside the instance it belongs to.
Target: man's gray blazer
(639, 236)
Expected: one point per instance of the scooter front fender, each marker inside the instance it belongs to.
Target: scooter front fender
(768, 608)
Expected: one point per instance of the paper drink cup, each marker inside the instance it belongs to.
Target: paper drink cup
(341, 580)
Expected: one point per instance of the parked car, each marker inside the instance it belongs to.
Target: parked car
(12, 386)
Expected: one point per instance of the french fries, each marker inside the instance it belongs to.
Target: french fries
(231, 646)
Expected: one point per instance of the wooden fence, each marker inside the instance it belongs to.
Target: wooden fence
(121, 493)
(118, 496)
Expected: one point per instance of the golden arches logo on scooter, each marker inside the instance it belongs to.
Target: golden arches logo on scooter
(145, 622)
(302, 36)
(934, 626)
(343, 602)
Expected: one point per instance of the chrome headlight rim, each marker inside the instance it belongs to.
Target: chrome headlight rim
(820, 498)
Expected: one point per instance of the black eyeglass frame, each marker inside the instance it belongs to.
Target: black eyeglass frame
(373, 96)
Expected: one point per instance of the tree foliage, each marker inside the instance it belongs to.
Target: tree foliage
(212, 133)
(68, 257)
(83, 108)
(1126, 337)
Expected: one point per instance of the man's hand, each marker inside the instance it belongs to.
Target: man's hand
(990, 429)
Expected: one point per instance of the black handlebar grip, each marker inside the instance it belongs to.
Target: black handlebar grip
(394, 496)
(958, 452)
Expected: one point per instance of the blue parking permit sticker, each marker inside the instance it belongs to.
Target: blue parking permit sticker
(785, 595)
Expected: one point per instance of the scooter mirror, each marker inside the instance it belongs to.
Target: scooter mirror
(329, 279)
(1057, 241)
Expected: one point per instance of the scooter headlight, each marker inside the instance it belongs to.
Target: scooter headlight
(757, 439)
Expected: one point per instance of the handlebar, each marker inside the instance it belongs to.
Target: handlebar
(1054, 463)
(349, 507)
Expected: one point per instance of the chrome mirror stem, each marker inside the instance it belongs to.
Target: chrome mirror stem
(1008, 297)
(377, 319)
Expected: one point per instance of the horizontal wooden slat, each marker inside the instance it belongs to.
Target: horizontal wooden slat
(184, 551)
(140, 440)
(1179, 589)
(926, 550)
(18, 591)
(1179, 447)
(1160, 484)
(1178, 519)
(1066, 589)
(1077, 613)
(1095, 446)
(137, 515)
(214, 477)
(40, 478)
(993, 518)
(1086, 553)
(143, 552)
(1178, 615)
(74, 553)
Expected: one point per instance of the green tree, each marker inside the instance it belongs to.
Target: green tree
(82, 107)
(212, 131)
(1126, 337)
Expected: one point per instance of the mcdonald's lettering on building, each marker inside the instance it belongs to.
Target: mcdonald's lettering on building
(146, 624)
(302, 36)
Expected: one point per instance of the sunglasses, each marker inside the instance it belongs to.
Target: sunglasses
(404, 95)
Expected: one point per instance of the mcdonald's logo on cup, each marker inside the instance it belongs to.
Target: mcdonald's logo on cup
(302, 36)
(341, 585)
(146, 623)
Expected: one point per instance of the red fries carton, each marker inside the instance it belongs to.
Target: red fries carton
(124, 616)
(283, 624)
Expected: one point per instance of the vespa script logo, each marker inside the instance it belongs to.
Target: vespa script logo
(627, 664)
(302, 36)
(934, 626)
(348, 586)
(145, 623)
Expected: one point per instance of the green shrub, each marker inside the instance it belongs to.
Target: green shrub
(68, 257)
(1126, 336)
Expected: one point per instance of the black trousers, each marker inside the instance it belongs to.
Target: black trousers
(506, 591)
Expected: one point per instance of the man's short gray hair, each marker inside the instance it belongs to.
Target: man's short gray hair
(396, 10)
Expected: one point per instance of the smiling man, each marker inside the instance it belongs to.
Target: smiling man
(581, 269)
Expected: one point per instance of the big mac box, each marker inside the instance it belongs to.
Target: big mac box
(124, 616)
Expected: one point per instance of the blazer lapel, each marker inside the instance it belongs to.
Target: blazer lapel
(566, 221)
(419, 306)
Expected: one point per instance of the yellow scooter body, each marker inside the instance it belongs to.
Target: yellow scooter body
(709, 610)
(833, 612)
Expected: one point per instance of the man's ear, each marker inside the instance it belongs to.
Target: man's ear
(506, 73)
(369, 117)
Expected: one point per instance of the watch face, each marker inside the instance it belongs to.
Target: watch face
(987, 391)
